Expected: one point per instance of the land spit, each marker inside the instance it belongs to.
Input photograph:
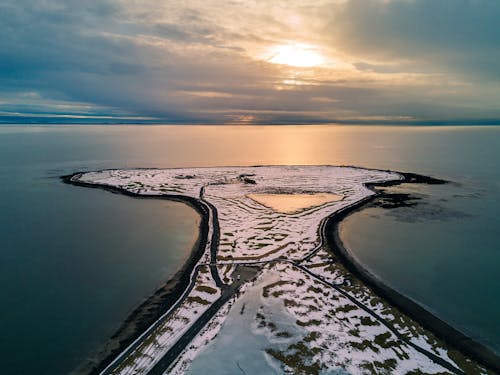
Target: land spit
(236, 230)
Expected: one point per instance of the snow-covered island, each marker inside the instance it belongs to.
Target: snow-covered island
(264, 238)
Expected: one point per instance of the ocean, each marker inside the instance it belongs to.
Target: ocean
(75, 261)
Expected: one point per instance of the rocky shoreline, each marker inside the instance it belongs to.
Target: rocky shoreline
(440, 328)
(162, 299)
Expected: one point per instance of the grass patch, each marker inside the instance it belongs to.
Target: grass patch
(312, 322)
(364, 345)
(312, 336)
(260, 245)
(197, 299)
(314, 289)
(299, 359)
(267, 288)
(291, 303)
(353, 332)
(383, 341)
(377, 367)
(346, 308)
(367, 321)
(206, 289)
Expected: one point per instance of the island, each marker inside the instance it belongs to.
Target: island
(274, 228)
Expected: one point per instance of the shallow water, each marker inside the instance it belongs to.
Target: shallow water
(69, 275)
(292, 203)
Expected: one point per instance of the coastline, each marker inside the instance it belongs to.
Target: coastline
(160, 301)
(153, 307)
(450, 335)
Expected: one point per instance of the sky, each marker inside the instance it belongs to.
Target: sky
(250, 62)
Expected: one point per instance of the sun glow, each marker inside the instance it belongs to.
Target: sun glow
(299, 55)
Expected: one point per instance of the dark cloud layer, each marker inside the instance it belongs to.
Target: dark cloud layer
(420, 61)
(446, 35)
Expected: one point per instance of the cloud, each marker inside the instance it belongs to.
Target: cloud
(202, 61)
(460, 36)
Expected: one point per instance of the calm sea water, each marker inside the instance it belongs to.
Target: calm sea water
(70, 275)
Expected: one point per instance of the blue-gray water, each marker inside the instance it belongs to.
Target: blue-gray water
(74, 261)
(443, 252)
(70, 274)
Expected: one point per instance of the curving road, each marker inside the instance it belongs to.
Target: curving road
(247, 271)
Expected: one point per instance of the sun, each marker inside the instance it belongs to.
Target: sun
(298, 55)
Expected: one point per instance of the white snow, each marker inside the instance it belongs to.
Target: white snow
(160, 340)
(249, 230)
(333, 332)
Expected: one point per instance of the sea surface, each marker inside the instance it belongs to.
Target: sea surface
(75, 261)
